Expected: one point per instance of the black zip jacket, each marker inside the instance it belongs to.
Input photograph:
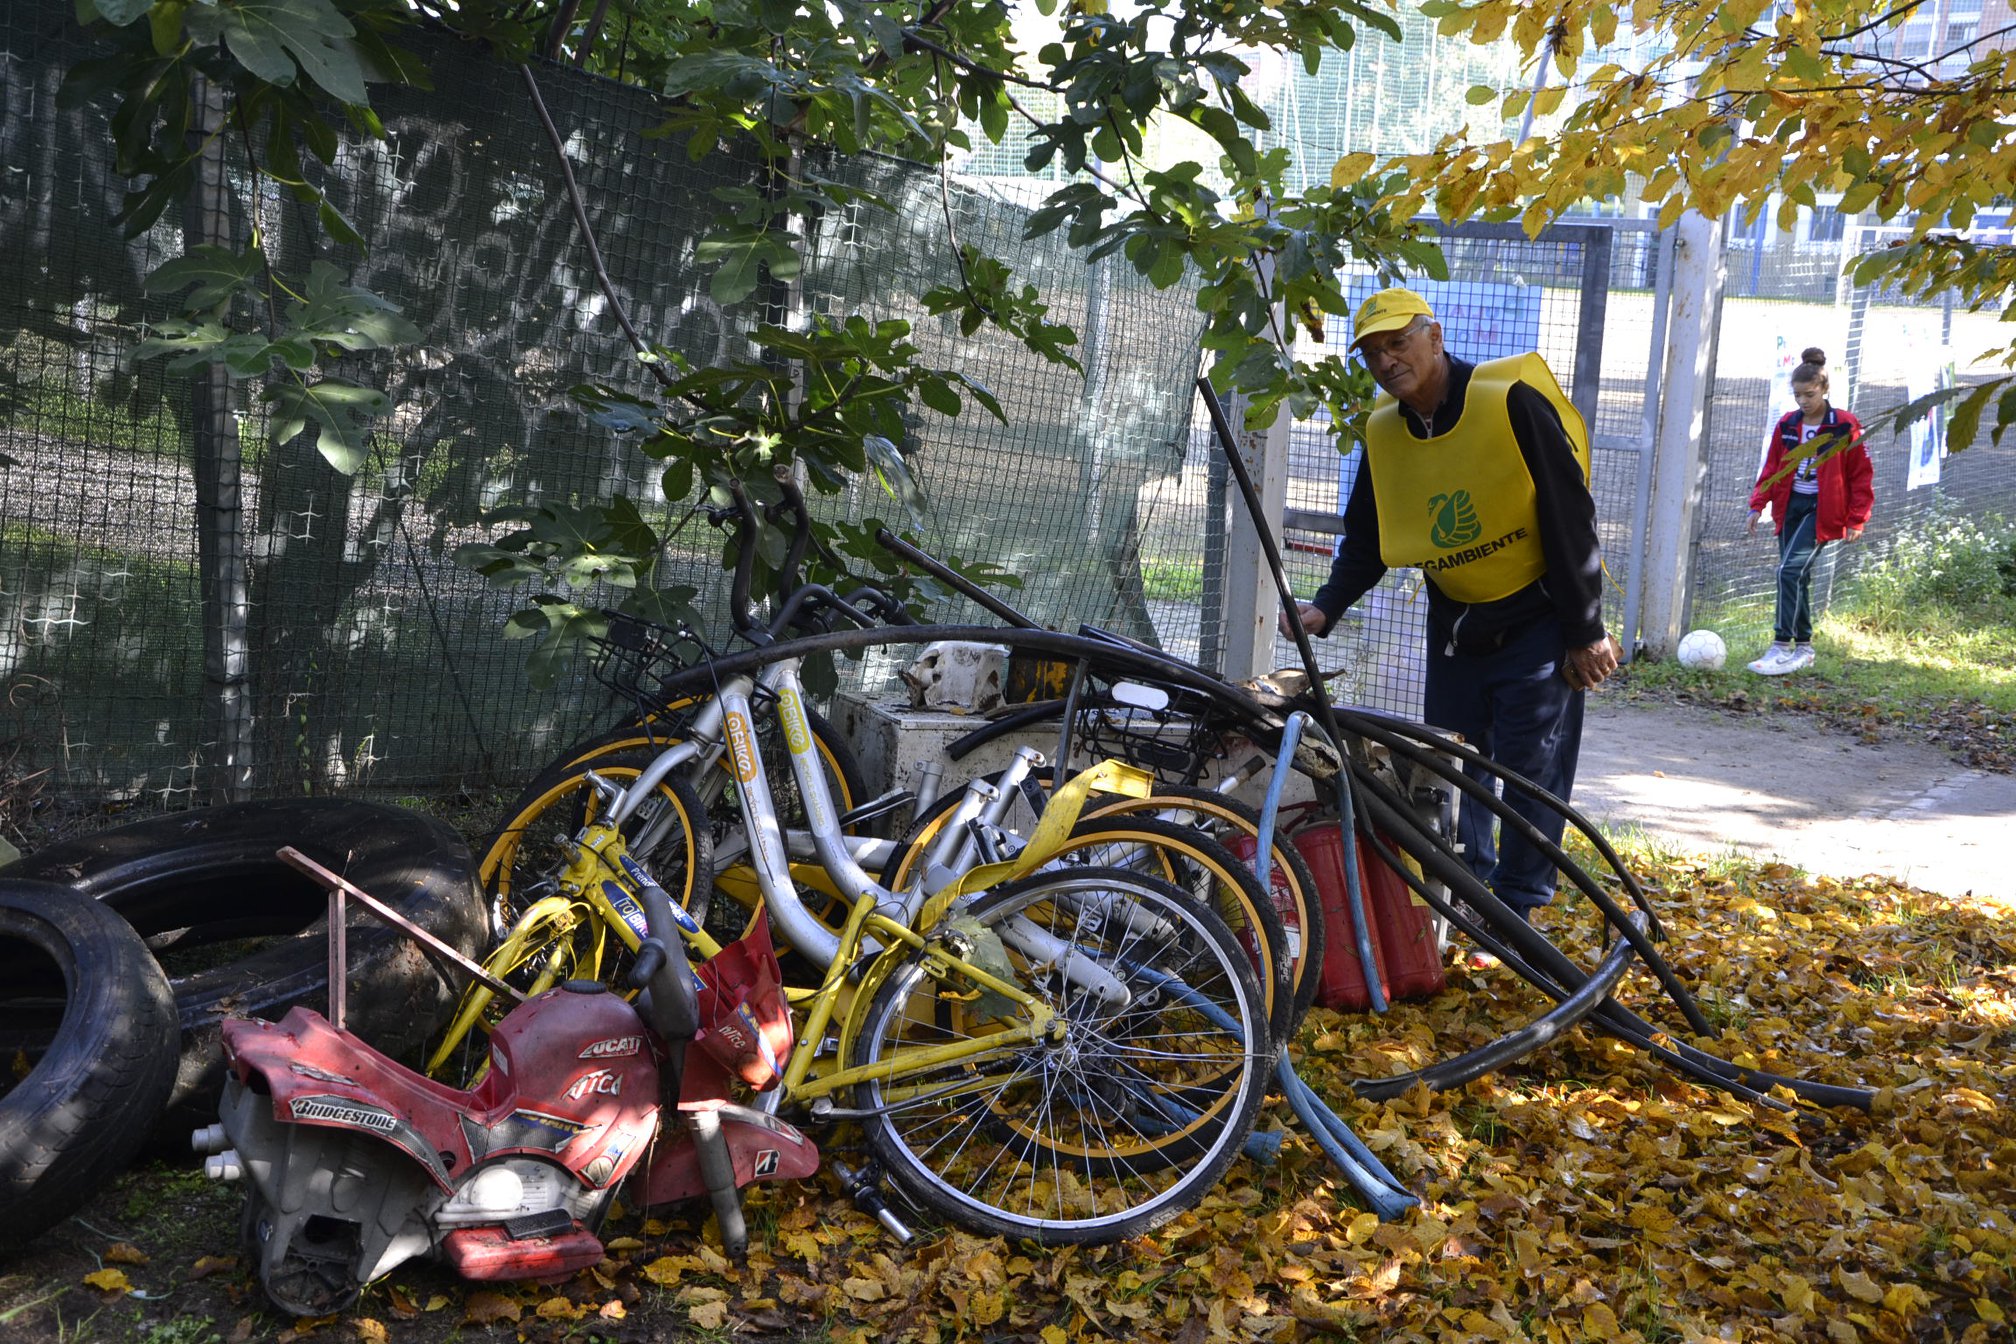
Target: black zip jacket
(1572, 587)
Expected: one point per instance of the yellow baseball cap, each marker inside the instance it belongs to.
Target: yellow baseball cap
(1388, 310)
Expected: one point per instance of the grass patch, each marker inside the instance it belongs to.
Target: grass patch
(1172, 580)
(1922, 643)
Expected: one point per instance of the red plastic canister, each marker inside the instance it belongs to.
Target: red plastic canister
(1403, 940)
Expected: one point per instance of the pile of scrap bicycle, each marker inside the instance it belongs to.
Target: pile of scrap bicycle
(1053, 1009)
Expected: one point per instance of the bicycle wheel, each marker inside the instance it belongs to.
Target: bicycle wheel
(528, 850)
(1213, 876)
(1226, 820)
(554, 940)
(1115, 1124)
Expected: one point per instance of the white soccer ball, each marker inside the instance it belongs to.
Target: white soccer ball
(1702, 650)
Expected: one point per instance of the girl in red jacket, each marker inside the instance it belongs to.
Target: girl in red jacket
(1817, 480)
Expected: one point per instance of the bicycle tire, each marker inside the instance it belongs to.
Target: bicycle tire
(961, 1143)
(724, 811)
(1221, 818)
(528, 845)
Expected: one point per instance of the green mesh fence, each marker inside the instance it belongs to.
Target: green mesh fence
(373, 661)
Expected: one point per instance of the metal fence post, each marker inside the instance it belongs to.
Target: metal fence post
(1592, 313)
(220, 517)
(1641, 500)
(1681, 461)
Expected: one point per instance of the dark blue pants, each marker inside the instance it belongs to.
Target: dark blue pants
(1797, 550)
(1512, 705)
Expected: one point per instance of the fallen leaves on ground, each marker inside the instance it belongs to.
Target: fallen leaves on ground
(1587, 1192)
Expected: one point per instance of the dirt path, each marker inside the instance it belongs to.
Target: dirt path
(1706, 782)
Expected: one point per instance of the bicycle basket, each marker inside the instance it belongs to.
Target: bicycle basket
(637, 657)
(1177, 742)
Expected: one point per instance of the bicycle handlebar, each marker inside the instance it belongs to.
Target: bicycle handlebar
(803, 598)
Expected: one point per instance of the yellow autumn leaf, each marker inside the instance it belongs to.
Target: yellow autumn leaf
(864, 1289)
(1347, 170)
(1054, 1334)
(1989, 1312)
(708, 1315)
(666, 1270)
(125, 1253)
(989, 1307)
(369, 1331)
(109, 1281)
(1860, 1286)
(559, 1309)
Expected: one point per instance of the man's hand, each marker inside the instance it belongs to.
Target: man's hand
(1852, 534)
(1586, 667)
(1751, 530)
(1312, 617)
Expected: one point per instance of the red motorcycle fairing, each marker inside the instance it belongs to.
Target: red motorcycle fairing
(572, 1077)
(762, 1147)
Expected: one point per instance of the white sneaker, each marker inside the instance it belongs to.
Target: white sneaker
(1801, 659)
(1775, 662)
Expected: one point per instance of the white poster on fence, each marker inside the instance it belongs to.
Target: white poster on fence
(1927, 368)
(1779, 399)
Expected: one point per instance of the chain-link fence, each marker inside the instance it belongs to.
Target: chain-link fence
(1585, 295)
(371, 660)
(1882, 351)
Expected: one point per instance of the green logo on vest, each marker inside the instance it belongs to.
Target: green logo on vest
(1455, 520)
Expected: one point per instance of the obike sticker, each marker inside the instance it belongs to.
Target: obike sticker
(626, 906)
(616, 1047)
(741, 748)
(601, 1083)
(792, 712)
(640, 877)
(766, 1163)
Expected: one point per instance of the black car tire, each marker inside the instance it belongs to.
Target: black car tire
(241, 934)
(84, 1005)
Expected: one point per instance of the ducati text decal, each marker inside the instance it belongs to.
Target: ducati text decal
(614, 1048)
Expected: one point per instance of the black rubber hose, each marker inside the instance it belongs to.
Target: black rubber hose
(1326, 713)
(952, 578)
(1373, 721)
(1622, 1021)
(1239, 710)
(1613, 914)
(1008, 724)
(1512, 1046)
(1608, 1017)
(1612, 1017)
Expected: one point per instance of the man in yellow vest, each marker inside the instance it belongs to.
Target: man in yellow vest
(1478, 475)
